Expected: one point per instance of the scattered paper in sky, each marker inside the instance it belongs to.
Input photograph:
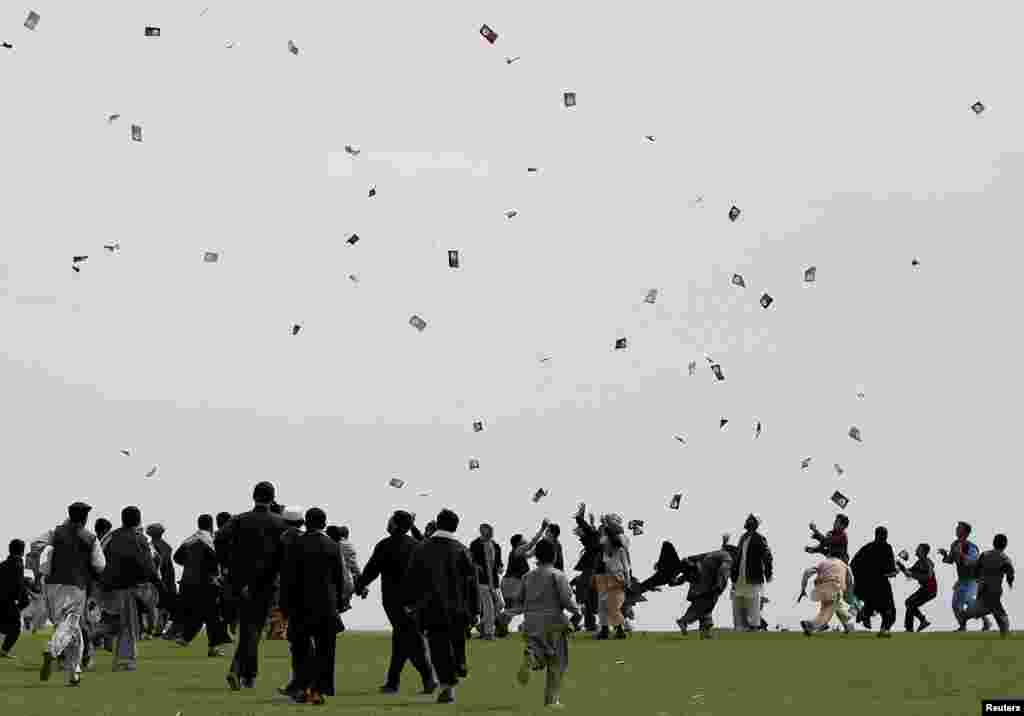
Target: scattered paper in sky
(488, 34)
(126, 453)
(211, 257)
(734, 213)
(418, 323)
(373, 192)
(737, 280)
(722, 422)
(840, 499)
(32, 20)
(510, 60)
(112, 248)
(296, 327)
(649, 137)
(509, 213)
(352, 151)
(811, 274)
(620, 344)
(293, 48)
(152, 31)
(766, 300)
(478, 426)
(757, 430)
(453, 259)
(136, 133)
(978, 107)
(855, 433)
(396, 482)
(676, 500)
(152, 471)
(652, 296)
(539, 495)
(474, 464)
(805, 463)
(569, 98)
(692, 367)
(717, 370)
(839, 469)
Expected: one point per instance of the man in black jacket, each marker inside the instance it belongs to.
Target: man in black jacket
(390, 560)
(314, 579)
(486, 554)
(751, 569)
(249, 546)
(13, 596)
(441, 589)
(200, 581)
(591, 562)
(228, 614)
(130, 566)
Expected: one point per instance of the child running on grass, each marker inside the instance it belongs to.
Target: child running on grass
(831, 579)
(544, 597)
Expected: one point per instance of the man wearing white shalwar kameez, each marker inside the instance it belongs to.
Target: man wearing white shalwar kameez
(71, 561)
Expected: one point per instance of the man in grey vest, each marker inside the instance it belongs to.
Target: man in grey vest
(75, 560)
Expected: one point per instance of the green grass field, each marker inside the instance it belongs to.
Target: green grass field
(660, 674)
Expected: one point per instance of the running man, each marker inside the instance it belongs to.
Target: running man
(965, 592)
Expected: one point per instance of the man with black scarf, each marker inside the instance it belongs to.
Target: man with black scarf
(873, 566)
(390, 561)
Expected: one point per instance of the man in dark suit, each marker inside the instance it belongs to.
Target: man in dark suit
(249, 546)
(13, 596)
(314, 579)
(200, 578)
(441, 589)
(390, 560)
(752, 565)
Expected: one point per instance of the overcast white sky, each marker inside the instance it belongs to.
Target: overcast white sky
(844, 135)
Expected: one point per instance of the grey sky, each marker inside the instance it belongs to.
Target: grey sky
(845, 137)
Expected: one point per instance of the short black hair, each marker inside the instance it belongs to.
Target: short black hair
(316, 518)
(925, 547)
(966, 526)
(334, 532)
(131, 516)
(102, 526)
(402, 521)
(544, 552)
(843, 520)
(16, 547)
(447, 520)
(516, 541)
(555, 530)
(1000, 541)
(881, 533)
(78, 514)
(205, 522)
(343, 532)
(263, 493)
(223, 518)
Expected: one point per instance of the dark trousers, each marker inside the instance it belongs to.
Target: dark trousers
(879, 599)
(252, 606)
(407, 643)
(448, 652)
(701, 608)
(197, 605)
(914, 603)
(10, 627)
(586, 596)
(313, 646)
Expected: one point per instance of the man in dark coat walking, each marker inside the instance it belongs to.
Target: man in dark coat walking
(249, 546)
(390, 561)
(441, 589)
(314, 580)
(873, 566)
(751, 569)
(13, 596)
(168, 579)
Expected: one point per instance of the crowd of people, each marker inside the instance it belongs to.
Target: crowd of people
(287, 574)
